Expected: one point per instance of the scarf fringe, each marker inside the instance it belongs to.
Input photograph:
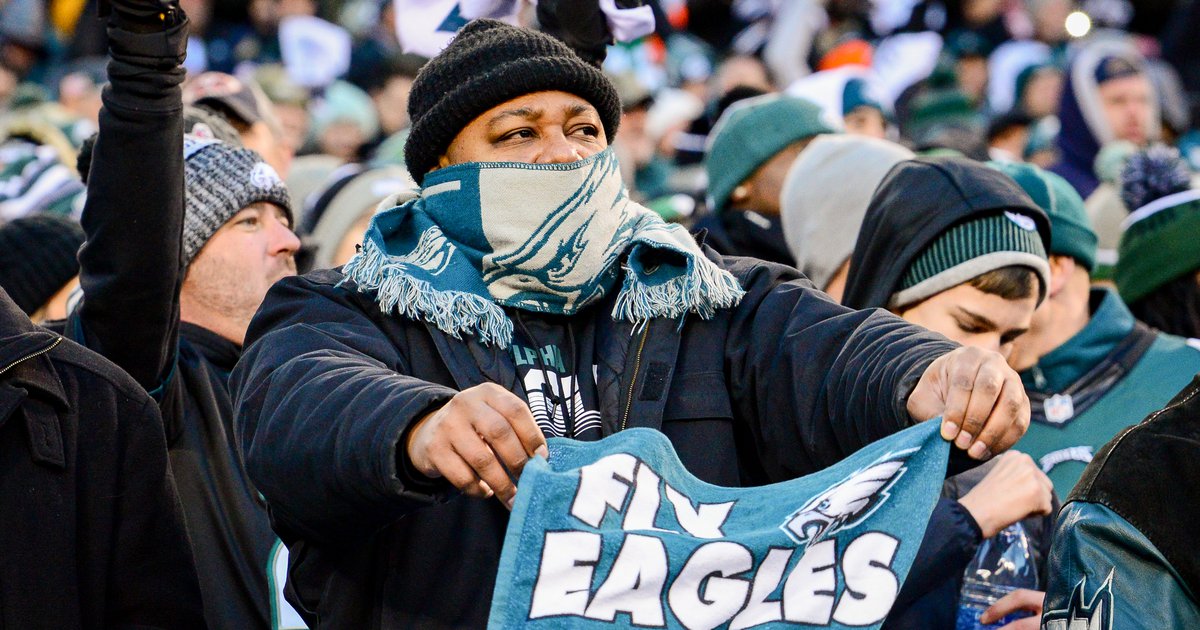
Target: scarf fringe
(453, 312)
(703, 290)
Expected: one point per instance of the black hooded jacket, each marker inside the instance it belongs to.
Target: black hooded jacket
(915, 203)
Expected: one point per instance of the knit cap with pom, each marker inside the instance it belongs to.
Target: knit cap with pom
(1153, 174)
(1159, 243)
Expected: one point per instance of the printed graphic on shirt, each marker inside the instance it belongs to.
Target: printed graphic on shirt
(616, 533)
(555, 394)
(1059, 408)
(1083, 613)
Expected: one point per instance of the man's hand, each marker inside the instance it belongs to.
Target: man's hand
(1021, 599)
(476, 440)
(1013, 489)
(981, 400)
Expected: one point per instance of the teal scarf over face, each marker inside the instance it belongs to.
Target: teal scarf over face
(539, 237)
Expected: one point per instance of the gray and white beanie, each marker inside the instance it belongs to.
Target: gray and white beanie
(219, 181)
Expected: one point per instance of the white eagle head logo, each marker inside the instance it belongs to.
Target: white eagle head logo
(846, 503)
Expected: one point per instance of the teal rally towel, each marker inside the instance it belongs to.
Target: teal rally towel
(616, 533)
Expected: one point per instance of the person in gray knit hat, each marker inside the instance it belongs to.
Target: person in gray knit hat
(237, 236)
(825, 195)
(185, 235)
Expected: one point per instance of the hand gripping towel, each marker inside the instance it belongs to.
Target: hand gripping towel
(616, 533)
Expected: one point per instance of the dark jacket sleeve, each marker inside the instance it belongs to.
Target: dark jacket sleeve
(931, 588)
(322, 401)
(818, 380)
(131, 271)
(152, 580)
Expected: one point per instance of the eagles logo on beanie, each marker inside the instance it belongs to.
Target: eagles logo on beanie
(973, 248)
(490, 62)
(219, 181)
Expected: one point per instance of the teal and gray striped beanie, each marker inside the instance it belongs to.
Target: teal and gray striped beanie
(971, 249)
(1071, 232)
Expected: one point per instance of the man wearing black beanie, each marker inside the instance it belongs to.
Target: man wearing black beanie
(521, 295)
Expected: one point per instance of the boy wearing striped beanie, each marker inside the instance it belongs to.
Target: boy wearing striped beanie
(953, 246)
(959, 248)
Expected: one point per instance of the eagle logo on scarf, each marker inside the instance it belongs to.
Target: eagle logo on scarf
(846, 503)
(1095, 614)
(432, 254)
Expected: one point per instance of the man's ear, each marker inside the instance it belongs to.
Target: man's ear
(1061, 270)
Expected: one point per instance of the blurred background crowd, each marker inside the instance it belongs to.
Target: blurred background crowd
(320, 89)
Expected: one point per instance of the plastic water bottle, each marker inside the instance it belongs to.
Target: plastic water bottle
(1002, 564)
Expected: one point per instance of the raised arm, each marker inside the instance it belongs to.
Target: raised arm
(131, 265)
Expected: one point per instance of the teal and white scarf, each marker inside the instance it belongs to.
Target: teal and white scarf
(539, 237)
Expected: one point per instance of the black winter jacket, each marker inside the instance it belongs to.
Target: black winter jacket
(784, 384)
(91, 531)
(131, 274)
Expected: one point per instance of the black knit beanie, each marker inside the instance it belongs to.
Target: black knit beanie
(490, 62)
(38, 258)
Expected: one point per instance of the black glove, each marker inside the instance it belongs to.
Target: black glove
(580, 24)
(142, 15)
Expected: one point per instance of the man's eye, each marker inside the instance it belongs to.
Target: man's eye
(520, 134)
(589, 130)
(971, 329)
(249, 221)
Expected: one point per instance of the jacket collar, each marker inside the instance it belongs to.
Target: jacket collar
(21, 366)
(1110, 323)
(218, 350)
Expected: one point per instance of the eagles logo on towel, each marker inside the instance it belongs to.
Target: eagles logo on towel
(847, 503)
(617, 533)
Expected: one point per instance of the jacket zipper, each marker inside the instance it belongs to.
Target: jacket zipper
(27, 357)
(637, 364)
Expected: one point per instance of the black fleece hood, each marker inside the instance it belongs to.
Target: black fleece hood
(915, 203)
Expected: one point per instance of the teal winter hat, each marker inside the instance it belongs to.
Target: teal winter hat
(751, 132)
(973, 248)
(1071, 232)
